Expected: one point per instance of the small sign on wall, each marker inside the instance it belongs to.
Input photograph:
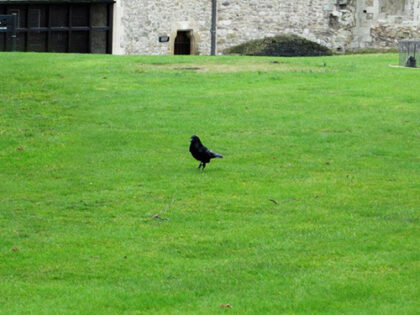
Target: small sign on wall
(7, 23)
(163, 39)
(4, 21)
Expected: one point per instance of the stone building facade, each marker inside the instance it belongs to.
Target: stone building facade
(338, 24)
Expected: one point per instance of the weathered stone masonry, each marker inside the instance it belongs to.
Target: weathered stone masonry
(339, 24)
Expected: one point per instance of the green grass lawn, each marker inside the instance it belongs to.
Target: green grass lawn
(314, 209)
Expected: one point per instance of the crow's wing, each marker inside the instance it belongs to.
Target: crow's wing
(213, 154)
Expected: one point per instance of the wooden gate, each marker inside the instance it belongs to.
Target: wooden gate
(74, 26)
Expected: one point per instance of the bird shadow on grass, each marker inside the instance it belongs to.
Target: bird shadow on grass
(207, 170)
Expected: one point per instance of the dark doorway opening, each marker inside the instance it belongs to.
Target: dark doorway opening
(183, 43)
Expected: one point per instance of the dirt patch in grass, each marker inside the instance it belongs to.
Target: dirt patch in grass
(267, 66)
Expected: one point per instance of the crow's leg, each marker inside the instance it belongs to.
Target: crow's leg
(204, 166)
(199, 166)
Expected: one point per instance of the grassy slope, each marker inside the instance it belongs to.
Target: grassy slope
(333, 140)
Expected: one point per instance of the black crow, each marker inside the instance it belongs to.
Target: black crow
(411, 62)
(201, 153)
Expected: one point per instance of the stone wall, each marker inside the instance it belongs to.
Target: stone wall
(387, 35)
(338, 24)
(143, 21)
(240, 21)
(381, 23)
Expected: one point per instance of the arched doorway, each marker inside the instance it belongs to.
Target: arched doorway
(183, 43)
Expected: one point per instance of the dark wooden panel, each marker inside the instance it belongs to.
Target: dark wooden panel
(79, 42)
(111, 26)
(21, 41)
(59, 15)
(99, 42)
(37, 41)
(37, 16)
(80, 15)
(99, 14)
(2, 41)
(58, 42)
(20, 11)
